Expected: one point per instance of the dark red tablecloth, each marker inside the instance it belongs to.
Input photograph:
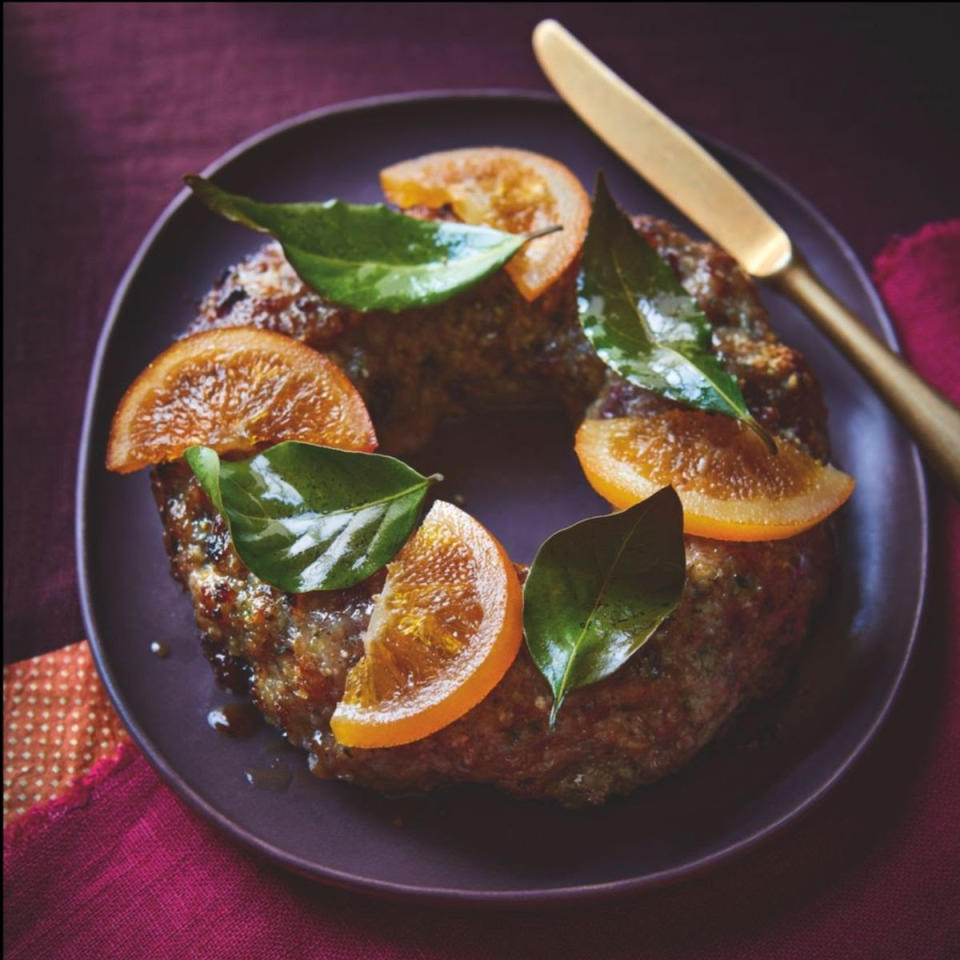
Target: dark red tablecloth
(106, 105)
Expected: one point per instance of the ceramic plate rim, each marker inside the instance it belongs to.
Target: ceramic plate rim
(373, 885)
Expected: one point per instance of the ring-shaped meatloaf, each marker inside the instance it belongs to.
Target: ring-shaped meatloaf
(743, 614)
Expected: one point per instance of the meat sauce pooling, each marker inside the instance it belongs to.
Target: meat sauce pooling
(744, 612)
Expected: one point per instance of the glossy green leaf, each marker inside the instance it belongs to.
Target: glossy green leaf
(369, 257)
(642, 322)
(304, 517)
(597, 591)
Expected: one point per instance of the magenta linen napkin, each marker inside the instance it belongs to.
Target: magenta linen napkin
(919, 278)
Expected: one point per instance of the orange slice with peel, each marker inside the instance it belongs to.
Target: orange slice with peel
(730, 486)
(233, 390)
(512, 190)
(444, 631)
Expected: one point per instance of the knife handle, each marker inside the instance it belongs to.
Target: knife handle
(931, 419)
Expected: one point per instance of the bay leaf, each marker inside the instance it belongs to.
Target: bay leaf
(642, 322)
(305, 517)
(598, 590)
(370, 257)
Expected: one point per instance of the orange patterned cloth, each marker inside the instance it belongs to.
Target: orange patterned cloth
(57, 722)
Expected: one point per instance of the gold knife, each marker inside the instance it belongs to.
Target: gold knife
(679, 168)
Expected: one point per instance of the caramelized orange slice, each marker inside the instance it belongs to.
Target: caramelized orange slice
(512, 190)
(443, 632)
(731, 488)
(233, 390)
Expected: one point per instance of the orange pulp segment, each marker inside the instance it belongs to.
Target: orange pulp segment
(731, 488)
(233, 390)
(511, 190)
(442, 634)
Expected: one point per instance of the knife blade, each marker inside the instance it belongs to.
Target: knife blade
(679, 168)
(661, 152)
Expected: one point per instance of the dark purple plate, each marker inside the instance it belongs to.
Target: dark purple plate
(520, 478)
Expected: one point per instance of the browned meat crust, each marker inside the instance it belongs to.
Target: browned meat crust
(745, 608)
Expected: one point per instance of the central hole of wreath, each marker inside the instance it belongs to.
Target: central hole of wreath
(515, 472)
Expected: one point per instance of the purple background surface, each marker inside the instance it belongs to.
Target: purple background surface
(107, 105)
